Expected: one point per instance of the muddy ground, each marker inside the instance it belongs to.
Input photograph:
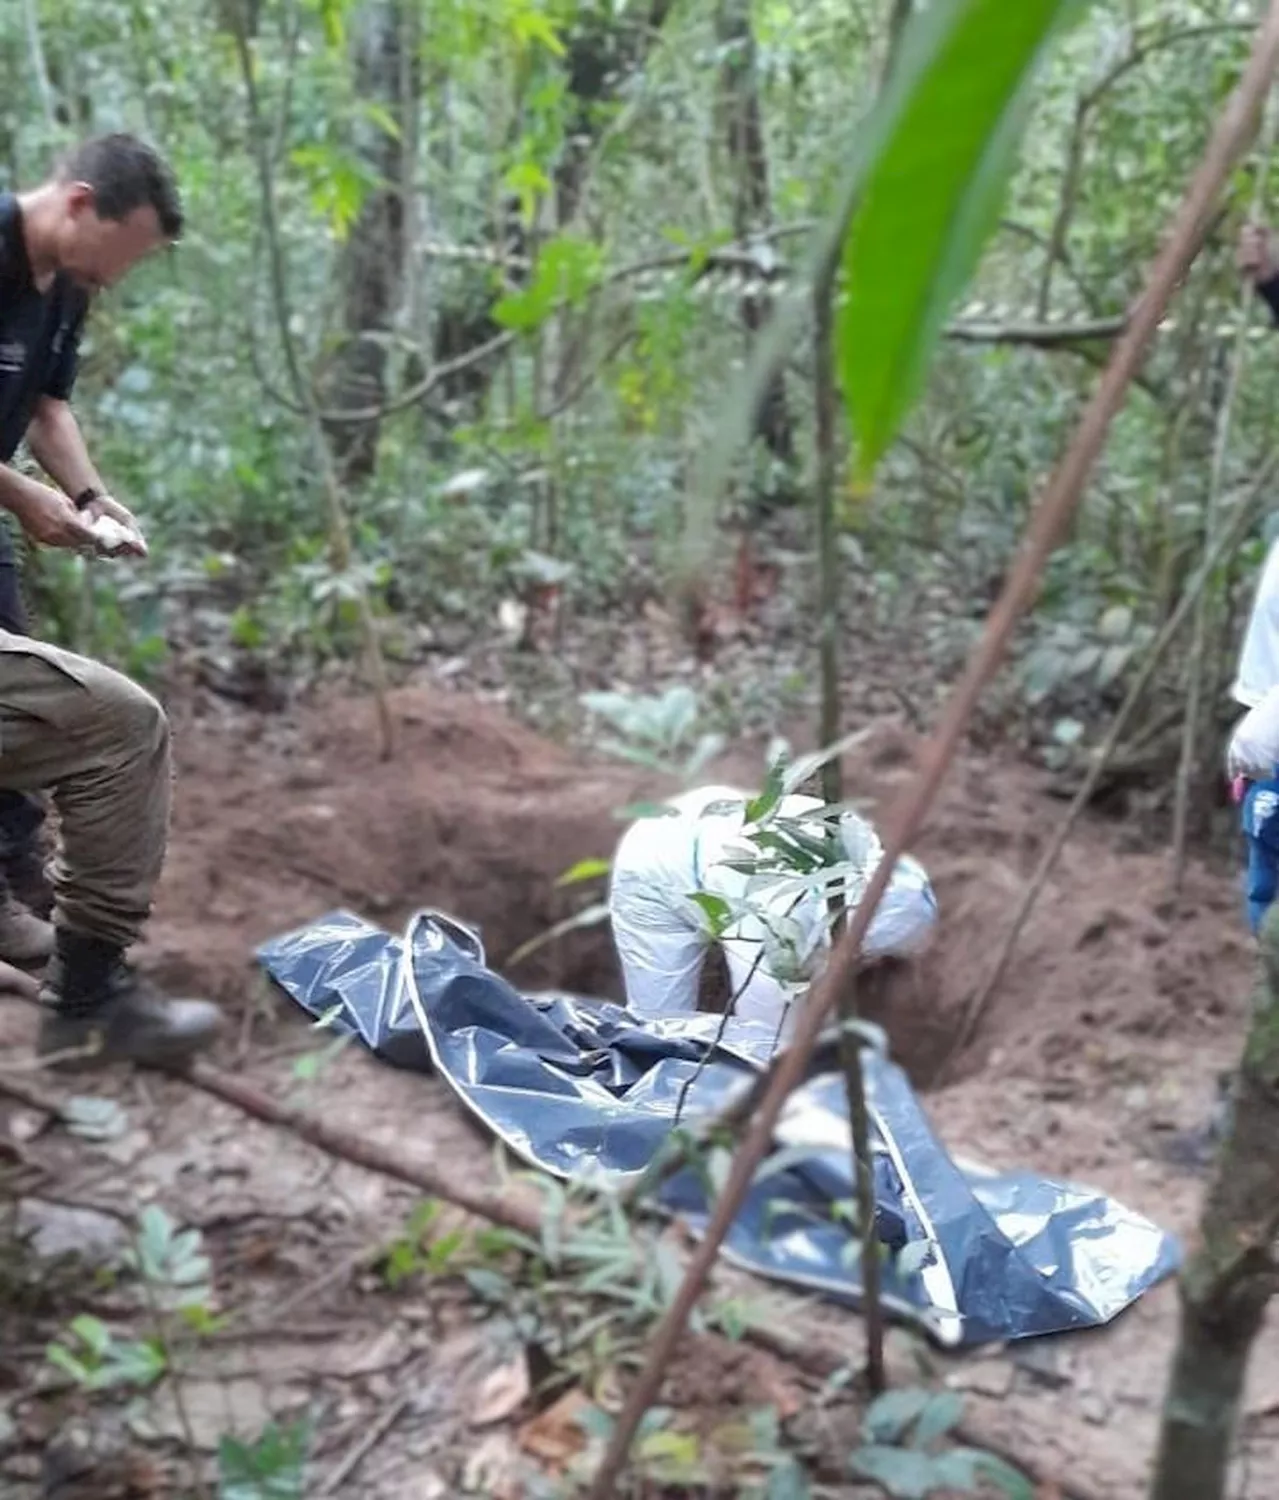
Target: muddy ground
(1105, 1040)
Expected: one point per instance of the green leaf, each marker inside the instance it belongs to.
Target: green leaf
(957, 100)
(904, 1473)
(1011, 1483)
(155, 1235)
(938, 1418)
(759, 808)
(62, 1358)
(338, 184)
(890, 1414)
(787, 1481)
(381, 117)
(139, 1363)
(595, 1423)
(585, 869)
(567, 270)
(807, 765)
(92, 1332)
(716, 909)
(488, 1285)
(271, 1468)
(245, 630)
(528, 182)
(672, 1455)
(530, 25)
(333, 19)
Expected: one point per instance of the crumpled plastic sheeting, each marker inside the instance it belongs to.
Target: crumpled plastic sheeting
(582, 1088)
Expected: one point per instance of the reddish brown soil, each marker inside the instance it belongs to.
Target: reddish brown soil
(475, 814)
(1106, 1037)
(1105, 950)
(480, 816)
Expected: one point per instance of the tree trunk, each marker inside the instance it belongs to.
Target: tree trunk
(749, 165)
(603, 53)
(373, 263)
(1231, 1274)
(605, 50)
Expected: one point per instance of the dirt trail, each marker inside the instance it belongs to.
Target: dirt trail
(1113, 1022)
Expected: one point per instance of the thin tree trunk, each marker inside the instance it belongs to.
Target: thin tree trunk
(303, 388)
(373, 261)
(1231, 1275)
(39, 68)
(749, 165)
(824, 395)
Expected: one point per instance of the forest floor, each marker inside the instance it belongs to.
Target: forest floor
(1117, 1015)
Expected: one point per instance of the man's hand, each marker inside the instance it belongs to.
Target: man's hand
(1256, 253)
(104, 505)
(48, 517)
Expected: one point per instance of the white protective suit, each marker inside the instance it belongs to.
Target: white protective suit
(1255, 744)
(662, 935)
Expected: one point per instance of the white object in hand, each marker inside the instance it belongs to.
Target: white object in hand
(111, 536)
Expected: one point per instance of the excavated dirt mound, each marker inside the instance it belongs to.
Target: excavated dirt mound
(475, 815)
(1105, 949)
(478, 815)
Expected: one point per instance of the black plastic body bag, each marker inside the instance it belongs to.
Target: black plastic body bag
(579, 1087)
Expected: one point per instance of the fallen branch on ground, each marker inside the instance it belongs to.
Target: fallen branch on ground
(512, 1212)
(500, 1206)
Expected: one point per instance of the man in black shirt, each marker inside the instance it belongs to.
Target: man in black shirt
(96, 742)
(111, 202)
(1256, 257)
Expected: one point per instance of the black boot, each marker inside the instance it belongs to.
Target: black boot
(100, 1011)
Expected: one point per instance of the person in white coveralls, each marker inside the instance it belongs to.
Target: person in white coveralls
(1254, 752)
(779, 931)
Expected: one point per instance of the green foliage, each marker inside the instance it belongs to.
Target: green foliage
(566, 271)
(658, 731)
(170, 1260)
(174, 1272)
(418, 1253)
(589, 424)
(91, 1354)
(272, 1467)
(585, 869)
(903, 1430)
(958, 99)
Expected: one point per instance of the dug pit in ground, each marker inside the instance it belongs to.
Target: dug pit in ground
(480, 816)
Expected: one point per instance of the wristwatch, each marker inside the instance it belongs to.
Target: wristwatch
(86, 497)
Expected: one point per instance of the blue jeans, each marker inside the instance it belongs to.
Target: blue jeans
(1258, 818)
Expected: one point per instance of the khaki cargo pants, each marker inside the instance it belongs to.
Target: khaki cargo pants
(99, 744)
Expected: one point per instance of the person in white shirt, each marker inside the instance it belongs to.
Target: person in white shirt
(1253, 755)
(778, 931)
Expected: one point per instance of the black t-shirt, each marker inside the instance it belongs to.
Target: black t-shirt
(1269, 291)
(39, 332)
